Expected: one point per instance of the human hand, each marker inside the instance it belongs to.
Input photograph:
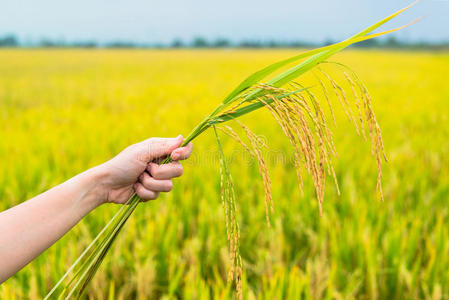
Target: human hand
(31, 227)
(136, 169)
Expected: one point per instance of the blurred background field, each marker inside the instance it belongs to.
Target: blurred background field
(63, 111)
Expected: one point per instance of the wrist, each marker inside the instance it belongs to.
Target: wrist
(94, 183)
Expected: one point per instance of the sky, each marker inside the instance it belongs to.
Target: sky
(162, 21)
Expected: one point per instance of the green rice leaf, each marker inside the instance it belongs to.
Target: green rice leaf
(250, 108)
(330, 50)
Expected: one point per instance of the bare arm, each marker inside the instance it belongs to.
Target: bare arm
(29, 228)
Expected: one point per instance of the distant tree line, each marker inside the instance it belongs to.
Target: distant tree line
(201, 42)
(9, 41)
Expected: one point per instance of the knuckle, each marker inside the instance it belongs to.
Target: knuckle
(180, 170)
(139, 191)
(168, 186)
(146, 180)
(157, 174)
(163, 144)
(150, 148)
(155, 171)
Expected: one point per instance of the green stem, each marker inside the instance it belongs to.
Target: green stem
(89, 258)
(105, 244)
(78, 260)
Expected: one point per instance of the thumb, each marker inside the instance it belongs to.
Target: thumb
(161, 147)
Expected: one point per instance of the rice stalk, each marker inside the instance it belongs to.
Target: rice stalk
(358, 102)
(231, 133)
(232, 226)
(256, 144)
(299, 114)
(326, 96)
(377, 146)
(341, 96)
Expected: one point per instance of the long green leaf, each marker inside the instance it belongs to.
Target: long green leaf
(250, 108)
(263, 73)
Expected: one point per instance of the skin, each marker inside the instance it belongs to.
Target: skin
(28, 229)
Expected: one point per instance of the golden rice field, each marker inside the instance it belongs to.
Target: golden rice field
(62, 111)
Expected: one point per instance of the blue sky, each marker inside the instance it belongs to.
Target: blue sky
(162, 21)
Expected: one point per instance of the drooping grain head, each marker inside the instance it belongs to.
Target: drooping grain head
(303, 121)
(232, 227)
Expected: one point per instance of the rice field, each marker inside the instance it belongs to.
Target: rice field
(63, 111)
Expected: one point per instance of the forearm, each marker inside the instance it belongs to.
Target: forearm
(28, 229)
